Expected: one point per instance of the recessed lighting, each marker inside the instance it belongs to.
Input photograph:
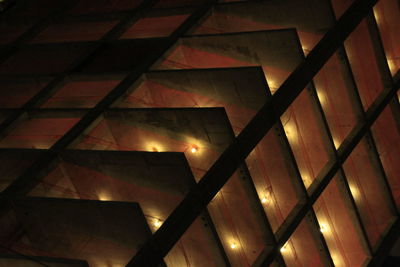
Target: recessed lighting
(157, 223)
(324, 228)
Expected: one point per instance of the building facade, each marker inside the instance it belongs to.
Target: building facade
(199, 133)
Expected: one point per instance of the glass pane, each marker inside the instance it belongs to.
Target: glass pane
(338, 224)
(276, 51)
(337, 97)
(364, 64)
(14, 163)
(35, 9)
(308, 140)
(103, 6)
(122, 55)
(156, 24)
(16, 92)
(368, 191)
(74, 31)
(43, 59)
(269, 15)
(39, 131)
(386, 135)
(303, 247)
(11, 30)
(387, 15)
(82, 92)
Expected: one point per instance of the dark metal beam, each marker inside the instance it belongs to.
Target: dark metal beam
(181, 218)
(58, 80)
(329, 171)
(9, 49)
(385, 245)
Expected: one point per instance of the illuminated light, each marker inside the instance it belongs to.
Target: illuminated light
(103, 196)
(336, 143)
(306, 179)
(233, 246)
(157, 223)
(194, 149)
(264, 199)
(324, 228)
(305, 50)
(154, 149)
(290, 128)
(273, 86)
(321, 97)
(392, 66)
(354, 192)
(336, 259)
(377, 17)
(283, 249)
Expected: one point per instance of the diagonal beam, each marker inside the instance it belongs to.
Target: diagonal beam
(46, 92)
(183, 216)
(331, 168)
(23, 184)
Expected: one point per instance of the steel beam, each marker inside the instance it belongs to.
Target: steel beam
(196, 200)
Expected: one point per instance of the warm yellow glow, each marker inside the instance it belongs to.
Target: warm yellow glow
(305, 50)
(273, 85)
(354, 192)
(233, 246)
(290, 130)
(157, 223)
(392, 66)
(336, 260)
(306, 179)
(104, 196)
(264, 200)
(194, 149)
(336, 143)
(324, 227)
(377, 17)
(154, 146)
(321, 97)
(283, 249)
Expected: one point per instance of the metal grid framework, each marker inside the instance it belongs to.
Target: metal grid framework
(344, 166)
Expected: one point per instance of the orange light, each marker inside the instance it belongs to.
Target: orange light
(264, 200)
(194, 149)
(233, 246)
(154, 149)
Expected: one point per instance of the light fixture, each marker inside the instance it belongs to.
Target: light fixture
(264, 200)
(354, 192)
(194, 149)
(283, 249)
(233, 245)
(157, 223)
(323, 227)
